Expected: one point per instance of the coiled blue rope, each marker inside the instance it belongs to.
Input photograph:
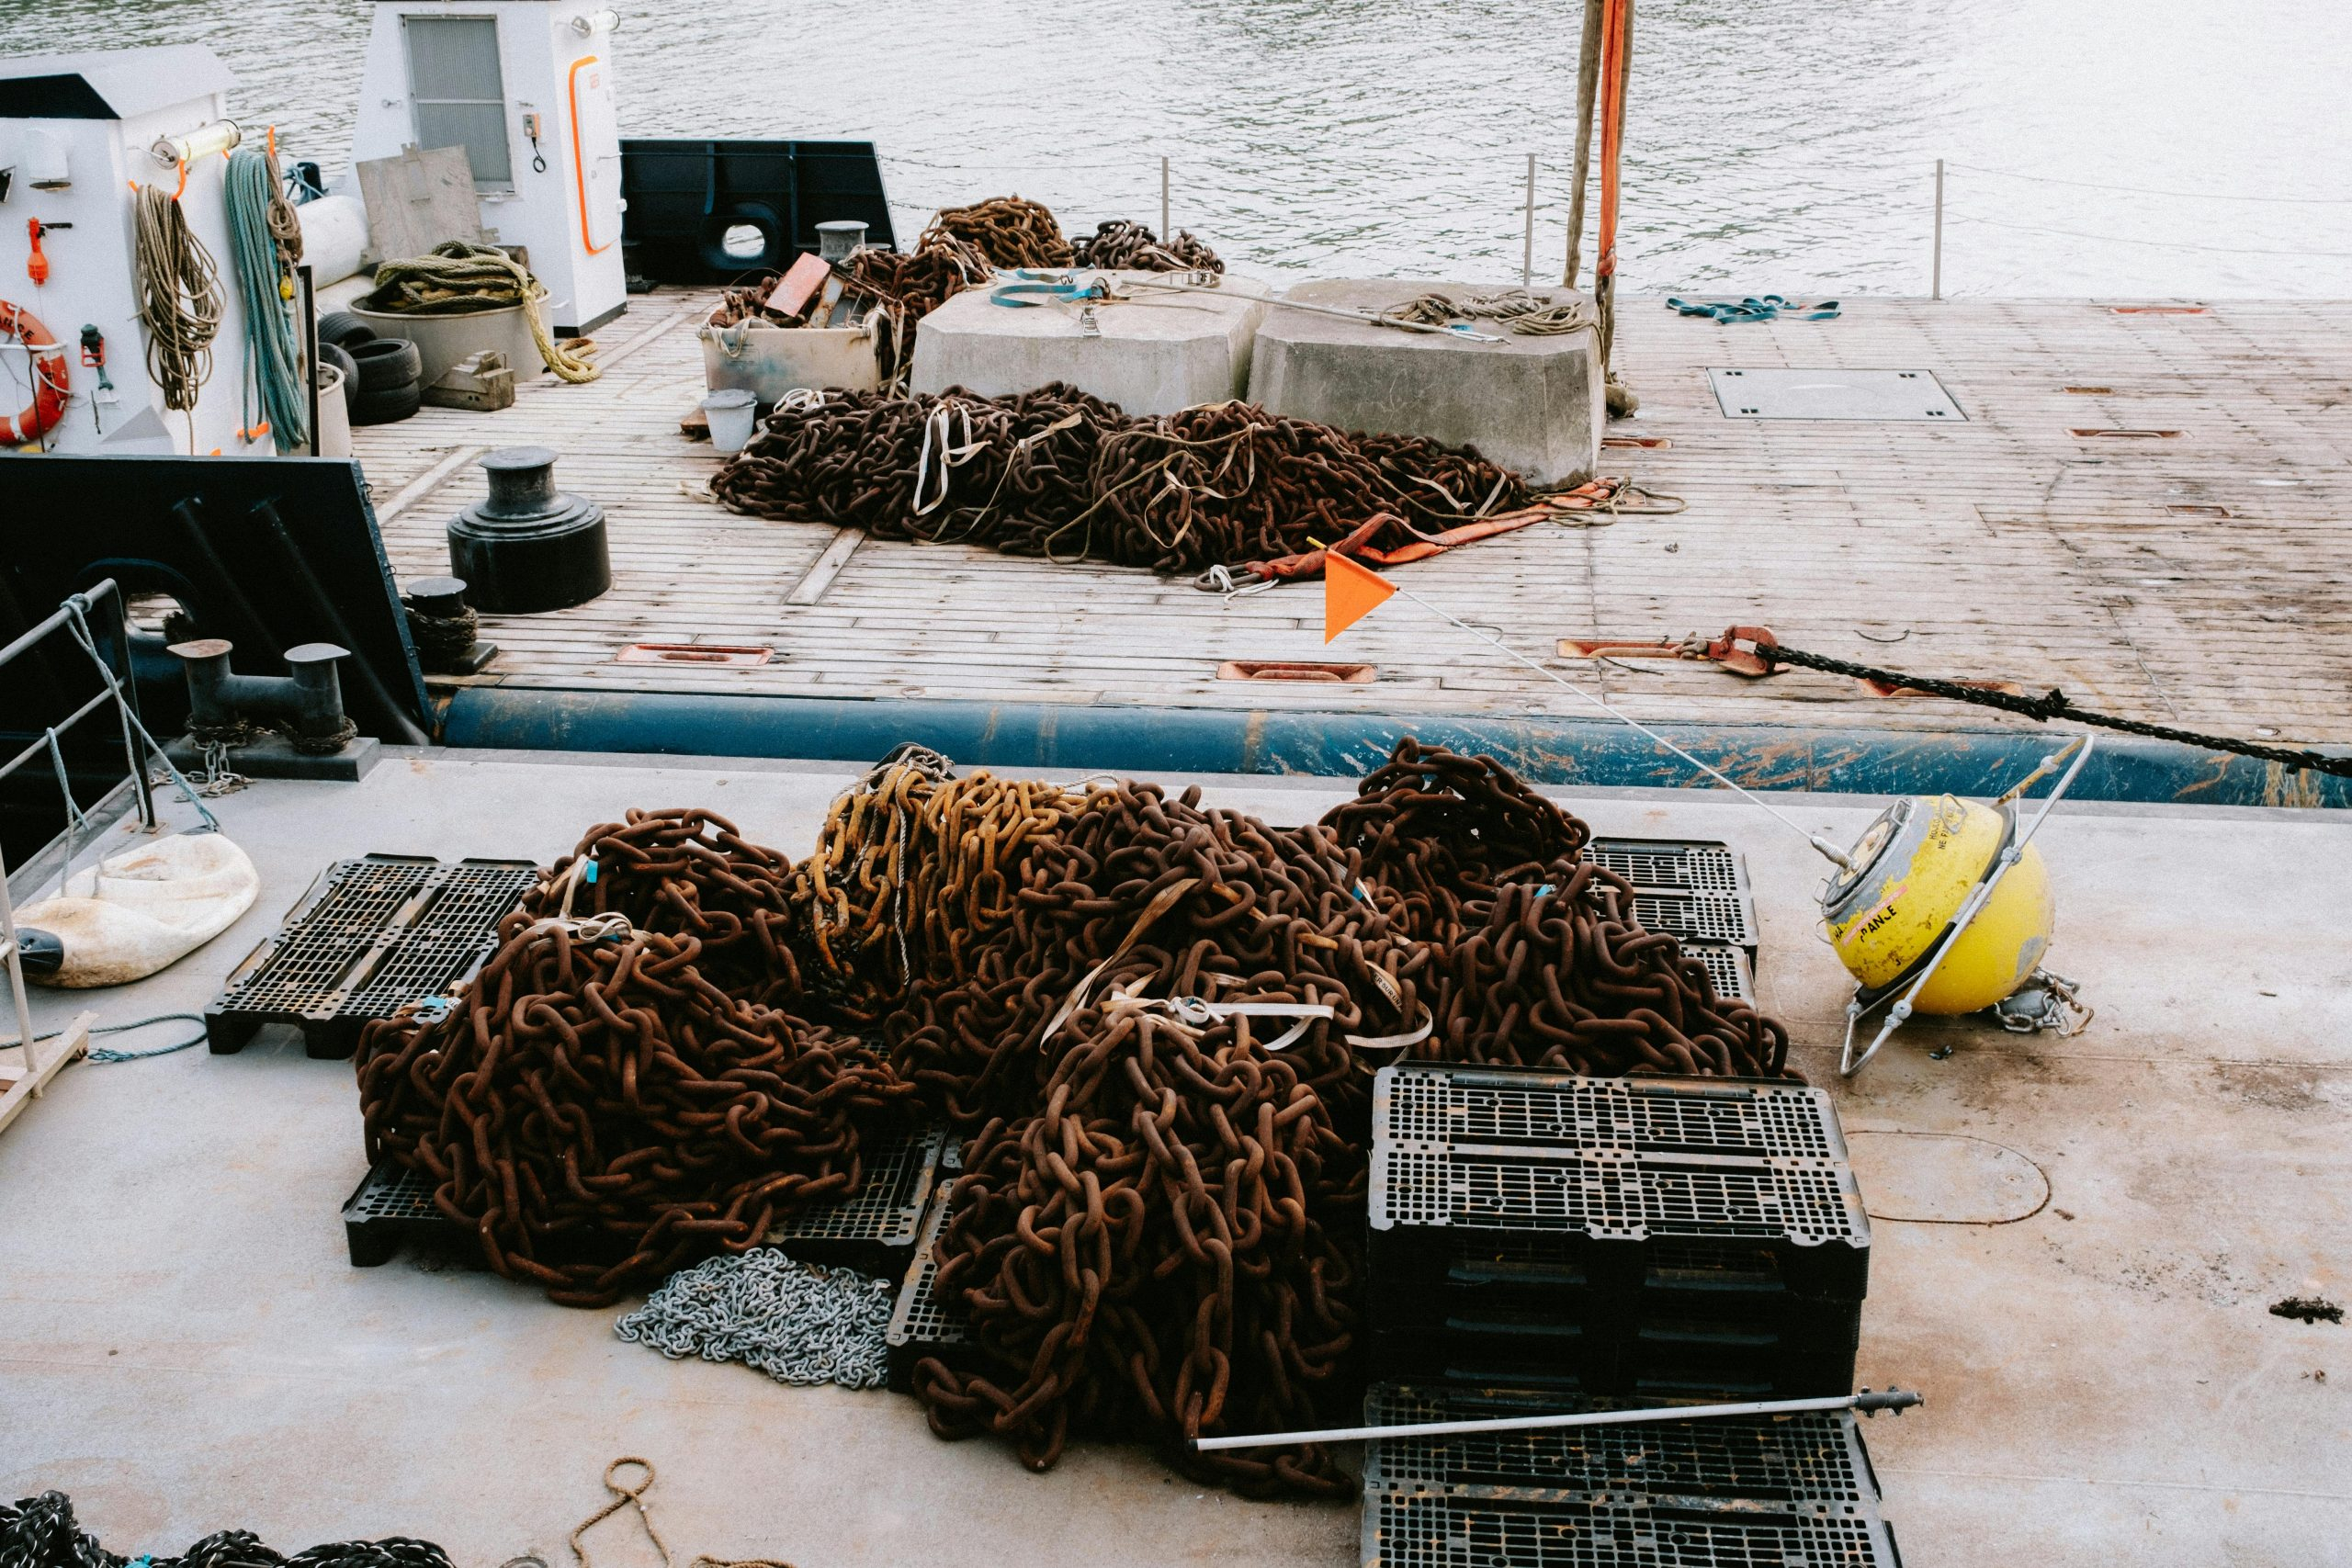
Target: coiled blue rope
(273, 391)
(1767, 308)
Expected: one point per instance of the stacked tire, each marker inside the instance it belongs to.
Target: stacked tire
(383, 375)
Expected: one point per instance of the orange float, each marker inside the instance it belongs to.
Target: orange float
(49, 376)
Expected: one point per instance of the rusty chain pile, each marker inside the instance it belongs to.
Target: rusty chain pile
(1058, 473)
(1542, 961)
(1010, 231)
(1122, 244)
(912, 862)
(620, 1090)
(1154, 1237)
(1154, 1025)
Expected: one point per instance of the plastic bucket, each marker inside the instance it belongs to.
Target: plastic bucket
(731, 413)
(334, 435)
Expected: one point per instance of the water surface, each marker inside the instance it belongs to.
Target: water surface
(1787, 145)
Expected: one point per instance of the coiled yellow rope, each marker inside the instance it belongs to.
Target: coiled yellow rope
(458, 277)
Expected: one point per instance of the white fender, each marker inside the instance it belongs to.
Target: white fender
(145, 909)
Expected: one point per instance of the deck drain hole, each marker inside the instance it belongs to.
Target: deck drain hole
(2089, 435)
(2185, 509)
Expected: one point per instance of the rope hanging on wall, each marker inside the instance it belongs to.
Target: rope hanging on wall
(179, 301)
(264, 239)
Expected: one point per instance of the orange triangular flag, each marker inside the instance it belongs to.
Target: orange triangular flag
(1349, 593)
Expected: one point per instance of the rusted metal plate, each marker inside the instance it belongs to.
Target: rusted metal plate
(1874, 395)
(1295, 669)
(691, 653)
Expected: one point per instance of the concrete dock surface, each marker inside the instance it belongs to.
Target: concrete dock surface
(2077, 1242)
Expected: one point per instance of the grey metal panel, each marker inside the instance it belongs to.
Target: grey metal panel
(1834, 394)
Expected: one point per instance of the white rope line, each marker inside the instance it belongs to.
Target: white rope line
(1816, 840)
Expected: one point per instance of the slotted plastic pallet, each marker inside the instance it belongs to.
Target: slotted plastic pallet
(1526, 1528)
(1816, 1457)
(924, 1323)
(1693, 888)
(875, 1231)
(369, 936)
(1623, 1356)
(1591, 1179)
(390, 1207)
(1437, 1106)
(1729, 969)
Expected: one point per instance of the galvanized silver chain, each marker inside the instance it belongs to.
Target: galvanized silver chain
(800, 1323)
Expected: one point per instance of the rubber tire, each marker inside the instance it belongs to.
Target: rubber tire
(330, 354)
(387, 364)
(343, 329)
(387, 407)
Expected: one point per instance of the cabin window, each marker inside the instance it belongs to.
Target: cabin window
(460, 97)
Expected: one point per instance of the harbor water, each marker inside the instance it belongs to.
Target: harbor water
(2094, 146)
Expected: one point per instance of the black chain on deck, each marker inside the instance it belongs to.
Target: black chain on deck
(2054, 704)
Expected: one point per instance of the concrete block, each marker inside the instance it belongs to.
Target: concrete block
(1532, 404)
(1152, 352)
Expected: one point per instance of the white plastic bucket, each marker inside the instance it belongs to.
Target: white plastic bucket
(730, 414)
(334, 438)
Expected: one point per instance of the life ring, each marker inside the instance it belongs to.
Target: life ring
(50, 377)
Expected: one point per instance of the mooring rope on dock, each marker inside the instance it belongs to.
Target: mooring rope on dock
(457, 278)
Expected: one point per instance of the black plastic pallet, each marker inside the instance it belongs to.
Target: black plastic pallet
(925, 1323)
(1692, 888)
(1530, 1528)
(369, 936)
(392, 1207)
(1603, 1181)
(873, 1232)
(1656, 1362)
(1729, 969)
(1814, 1458)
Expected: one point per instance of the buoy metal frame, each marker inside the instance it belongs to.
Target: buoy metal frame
(2011, 852)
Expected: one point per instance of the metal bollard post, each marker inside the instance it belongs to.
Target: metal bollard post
(1527, 250)
(1936, 277)
(1164, 233)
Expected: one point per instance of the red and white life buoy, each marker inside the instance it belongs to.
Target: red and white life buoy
(50, 377)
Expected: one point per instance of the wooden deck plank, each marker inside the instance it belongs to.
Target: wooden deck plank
(2004, 547)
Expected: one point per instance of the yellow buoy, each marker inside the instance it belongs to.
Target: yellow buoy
(1910, 872)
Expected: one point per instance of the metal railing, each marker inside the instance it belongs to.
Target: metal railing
(73, 618)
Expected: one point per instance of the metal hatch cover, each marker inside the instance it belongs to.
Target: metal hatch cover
(1883, 395)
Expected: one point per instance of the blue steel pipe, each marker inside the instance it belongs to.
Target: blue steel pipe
(1066, 740)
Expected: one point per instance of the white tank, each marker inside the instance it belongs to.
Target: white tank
(335, 237)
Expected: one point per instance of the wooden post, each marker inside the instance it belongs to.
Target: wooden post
(1936, 275)
(1587, 82)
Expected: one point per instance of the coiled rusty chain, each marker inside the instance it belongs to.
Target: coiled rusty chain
(620, 1089)
(1153, 1023)
(1008, 230)
(1122, 244)
(1055, 473)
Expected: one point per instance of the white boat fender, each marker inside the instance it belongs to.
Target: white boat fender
(144, 909)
